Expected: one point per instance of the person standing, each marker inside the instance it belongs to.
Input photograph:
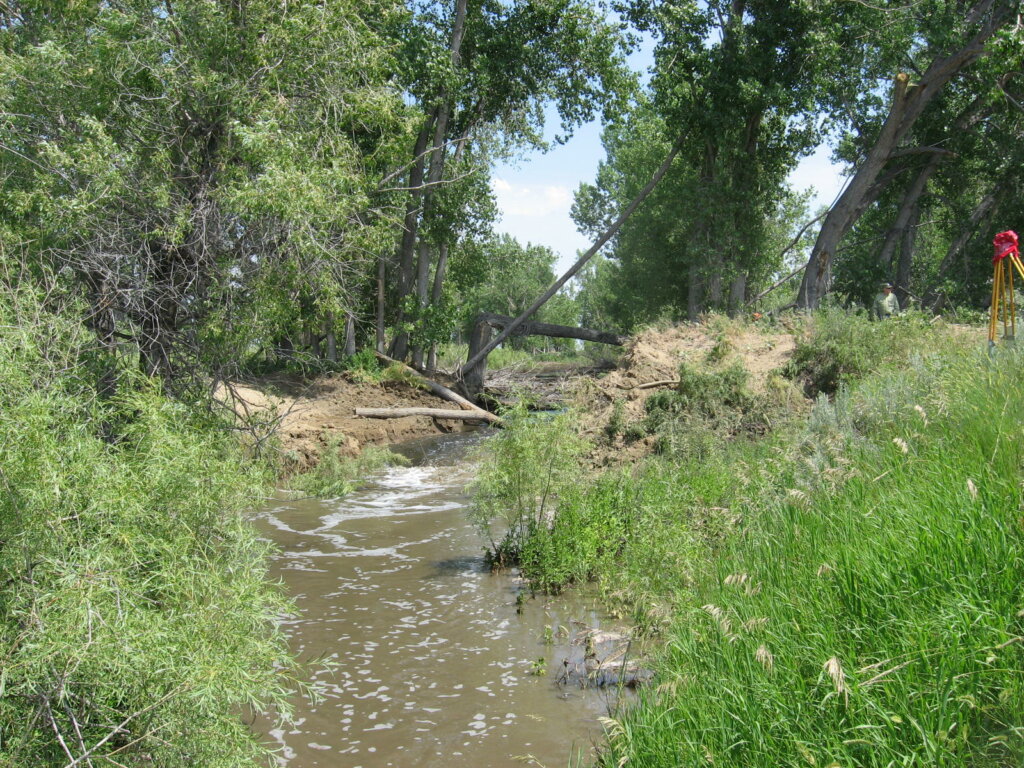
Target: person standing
(885, 305)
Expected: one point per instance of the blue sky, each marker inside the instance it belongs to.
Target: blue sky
(535, 194)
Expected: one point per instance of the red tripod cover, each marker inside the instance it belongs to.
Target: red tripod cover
(1005, 243)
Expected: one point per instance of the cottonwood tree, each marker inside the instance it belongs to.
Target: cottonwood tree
(938, 42)
(494, 67)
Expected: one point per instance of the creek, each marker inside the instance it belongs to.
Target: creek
(431, 660)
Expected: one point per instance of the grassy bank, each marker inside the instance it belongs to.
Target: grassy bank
(843, 591)
(136, 618)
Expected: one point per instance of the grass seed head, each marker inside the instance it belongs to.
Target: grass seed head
(834, 668)
(901, 444)
(764, 656)
(712, 609)
(972, 489)
(922, 414)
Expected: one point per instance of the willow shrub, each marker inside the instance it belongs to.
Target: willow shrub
(136, 618)
(524, 472)
(871, 614)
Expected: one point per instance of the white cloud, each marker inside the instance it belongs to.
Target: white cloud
(532, 200)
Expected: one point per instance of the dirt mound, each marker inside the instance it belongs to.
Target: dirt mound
(309, 414)
(651, 364)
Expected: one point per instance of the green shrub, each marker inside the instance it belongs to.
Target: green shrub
(136, 617)
(525, 472)
(840, 347)
(704, 408)
(335, 475)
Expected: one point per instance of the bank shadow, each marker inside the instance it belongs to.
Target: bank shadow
(457, 566)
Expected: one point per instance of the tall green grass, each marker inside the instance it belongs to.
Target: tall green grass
(870, 614)
(845, 590)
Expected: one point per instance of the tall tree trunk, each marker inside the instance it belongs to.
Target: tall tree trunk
(737, 293)
(442, 113)
(908, 210)
(906, 262)
(422, 280)
(350, 334)
(331, 339)
(908, 102)
(694, 293)
(715, 286)
(382, 271)
(442, 255)
(435, 296)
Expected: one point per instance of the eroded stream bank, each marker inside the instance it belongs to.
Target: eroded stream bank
(435, 666)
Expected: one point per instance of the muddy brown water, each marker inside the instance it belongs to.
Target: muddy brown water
(434, 664)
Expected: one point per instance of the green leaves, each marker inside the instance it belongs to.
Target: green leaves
(133, 595)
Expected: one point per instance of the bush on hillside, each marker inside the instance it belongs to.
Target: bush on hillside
(840, 347)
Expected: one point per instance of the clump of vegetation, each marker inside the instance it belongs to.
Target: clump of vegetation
(872, 614)
(136, 619)
(363, 366)
(617, 421)
(704, 408)
(525, 473)
(840, 347)
(336, 475)
(840, 592)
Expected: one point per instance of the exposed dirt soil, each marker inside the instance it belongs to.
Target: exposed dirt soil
(312, 413)
(655, 356)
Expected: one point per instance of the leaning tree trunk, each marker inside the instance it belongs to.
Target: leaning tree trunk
(407, 249)
(607, 235)
(908, 102)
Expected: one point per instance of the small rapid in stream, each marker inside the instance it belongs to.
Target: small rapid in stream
(432, 663)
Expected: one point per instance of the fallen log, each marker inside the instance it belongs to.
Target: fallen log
(435, 413)
(530, 328)
(662, 383)
(443, 392)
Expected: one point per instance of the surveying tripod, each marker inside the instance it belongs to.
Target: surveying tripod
(1005, 261)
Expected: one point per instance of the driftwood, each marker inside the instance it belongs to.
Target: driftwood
(444, 393)
(662, 383)
(473, 377)
(436, 413)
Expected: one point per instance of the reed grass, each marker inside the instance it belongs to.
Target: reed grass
(872, 613)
